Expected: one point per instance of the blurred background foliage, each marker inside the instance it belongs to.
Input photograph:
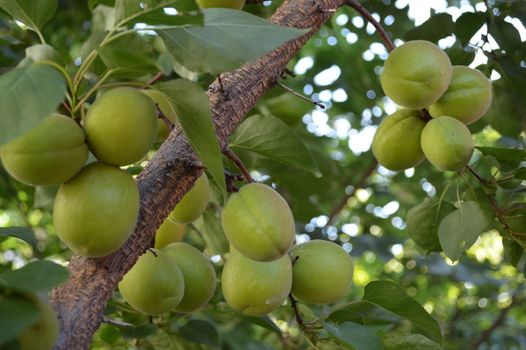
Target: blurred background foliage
(355, 203)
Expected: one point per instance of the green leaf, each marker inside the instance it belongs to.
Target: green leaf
(35, 277)
(127, 63)
(213, 234)
(152, 12)
(461, 228)
(423, 221)
(16, 314)
(468, 24)
(191, 105)
(28, 95)
(24, 233)
(398, 341)
(435, 28)
(354, 336)
(138, 332)
(504, 154)
(201, 332)
(228, 39)
(274, 139)
(392, 297)
(263, 321)
(32, 13)
(42, 52)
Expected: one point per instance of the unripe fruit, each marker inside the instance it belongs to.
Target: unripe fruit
(121, 126)
(169, 232)
(396, 143)
(230, 4)
(255, 287)
(258, 222)
(49, 154)
(165, 106)
(199, 276)
(193, 203)
(416, 74)
(154, 285)
(467, 98)
(322, 272)
(43, 334)
(447, 143)
(96, 211)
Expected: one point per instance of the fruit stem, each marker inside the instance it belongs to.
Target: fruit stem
(369, 17)
(238, 162)
(303, 327)
(424, 115)
(297, 94)
(163, 117)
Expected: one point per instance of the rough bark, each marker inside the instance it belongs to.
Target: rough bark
(80, 302)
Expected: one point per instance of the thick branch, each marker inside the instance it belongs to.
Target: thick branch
(80, 302)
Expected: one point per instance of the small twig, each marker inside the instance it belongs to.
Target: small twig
(164, 118)
(230, 179)
(151, 250)
(361, 183)
(220, 83)
(297, 94)
(238, 162)
(369, 17)
(287, 72)
(155, 78)
(424, 115)
(303, 327)
(116, 322)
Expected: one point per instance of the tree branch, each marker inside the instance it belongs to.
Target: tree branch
(80, 302)
(369, 17)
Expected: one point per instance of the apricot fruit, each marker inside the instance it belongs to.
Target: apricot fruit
(43, 334)
(416, 74)
(258, 222)
(253, 287)
(467, 98)
(96, 211)
(49, 154)
(169, 232)
(322, 272)
(198, 273)
(161, 100)
(193, 203)
(396, 143)
(229, 4)
(447, 143)
(154, 285)
(121, 126)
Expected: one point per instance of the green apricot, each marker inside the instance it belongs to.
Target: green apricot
(416, 74)
(447, 143)
(322, 272)
(169, 232)
(43, 334)
(166, 107)
(96, 211)
(229, 4)
(396, 143)
(255, 287)
(154, 285)
(199, 276)
(467, 98)
(121, 126)
(193, 203)
(49, 154)
(258, 222)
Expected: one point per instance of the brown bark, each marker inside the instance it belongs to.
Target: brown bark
(80, 302)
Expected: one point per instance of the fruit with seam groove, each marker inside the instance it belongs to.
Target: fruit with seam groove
(43, 334)
(154, 285)
(258, 222)
(161, 100)
(447, 143)
(198, 273)
(253, 287)
(193, 203)
(121, 126)
(96, 211)
(169, 232)
(322, 272)
(230, 4)
(416, 74)
(49, 154)
(396, 143)
(467, 98)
